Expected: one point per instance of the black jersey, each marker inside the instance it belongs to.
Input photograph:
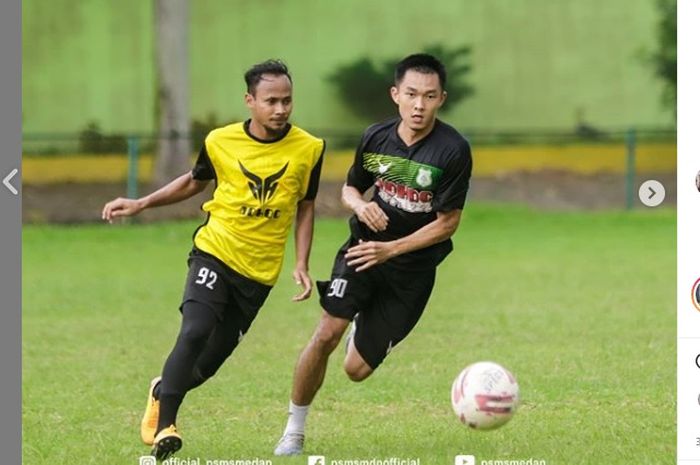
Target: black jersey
(411, 184)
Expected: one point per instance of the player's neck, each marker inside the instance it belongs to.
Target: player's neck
(261, 132)
(411, 136)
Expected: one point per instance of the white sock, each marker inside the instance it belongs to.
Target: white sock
(297, 418)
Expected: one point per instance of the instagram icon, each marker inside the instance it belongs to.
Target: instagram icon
(147, 460)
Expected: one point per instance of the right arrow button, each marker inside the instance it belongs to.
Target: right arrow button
(652, 193)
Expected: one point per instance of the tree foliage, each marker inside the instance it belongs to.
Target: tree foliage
(363, 85)
(93, 140)
(663, 57)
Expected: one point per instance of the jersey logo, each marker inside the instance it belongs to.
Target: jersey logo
(263, 190)
(384, 168)
(424, 178)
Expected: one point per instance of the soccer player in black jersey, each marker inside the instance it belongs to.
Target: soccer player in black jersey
(383, 275)
(267, 174)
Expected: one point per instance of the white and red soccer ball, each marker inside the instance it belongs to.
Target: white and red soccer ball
(485, 395)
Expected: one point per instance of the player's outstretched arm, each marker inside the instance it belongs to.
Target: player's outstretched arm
(367, 254)
(303, 236)
(368, 212)
(178, 189)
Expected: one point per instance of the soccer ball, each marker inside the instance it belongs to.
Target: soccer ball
(485, 395)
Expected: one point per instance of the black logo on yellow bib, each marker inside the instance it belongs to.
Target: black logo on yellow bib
(263, 189)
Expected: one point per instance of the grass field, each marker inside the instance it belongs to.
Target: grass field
(580, 306)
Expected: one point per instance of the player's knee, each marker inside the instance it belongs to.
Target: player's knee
(326, 338)
(197, 325)
(356, 368)
(208, 366)
(200, 375)
(357, 373)
(194, 335)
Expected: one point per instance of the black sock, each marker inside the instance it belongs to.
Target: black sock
(169, 405)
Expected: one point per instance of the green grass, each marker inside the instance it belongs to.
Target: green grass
(580, 306)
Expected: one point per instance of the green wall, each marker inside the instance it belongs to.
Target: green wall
(87, 60)
(536, 62)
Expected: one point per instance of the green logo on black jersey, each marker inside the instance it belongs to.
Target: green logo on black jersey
(401, 170)
(403, 183)
(263, 190)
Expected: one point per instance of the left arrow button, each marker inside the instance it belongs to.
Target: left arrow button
(7, 180)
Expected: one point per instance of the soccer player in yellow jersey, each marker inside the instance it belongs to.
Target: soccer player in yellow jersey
(267, 173)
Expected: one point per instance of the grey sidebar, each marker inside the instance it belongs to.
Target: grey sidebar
(11, 232)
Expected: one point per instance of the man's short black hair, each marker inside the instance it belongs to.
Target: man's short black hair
(423, 63)
(254, 75)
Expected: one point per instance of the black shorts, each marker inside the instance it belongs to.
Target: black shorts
(387, 301)
(228, 293)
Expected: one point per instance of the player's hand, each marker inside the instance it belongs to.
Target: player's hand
(367, 254)
(302, 278)
(120, 207)
(372, 215)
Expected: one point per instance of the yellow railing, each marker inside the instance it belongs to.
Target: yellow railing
(657, 157)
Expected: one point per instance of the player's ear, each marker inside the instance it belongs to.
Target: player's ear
(249, 99)
(394, 91)
(443, 97)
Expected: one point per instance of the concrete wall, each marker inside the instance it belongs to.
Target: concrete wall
(536, 62)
